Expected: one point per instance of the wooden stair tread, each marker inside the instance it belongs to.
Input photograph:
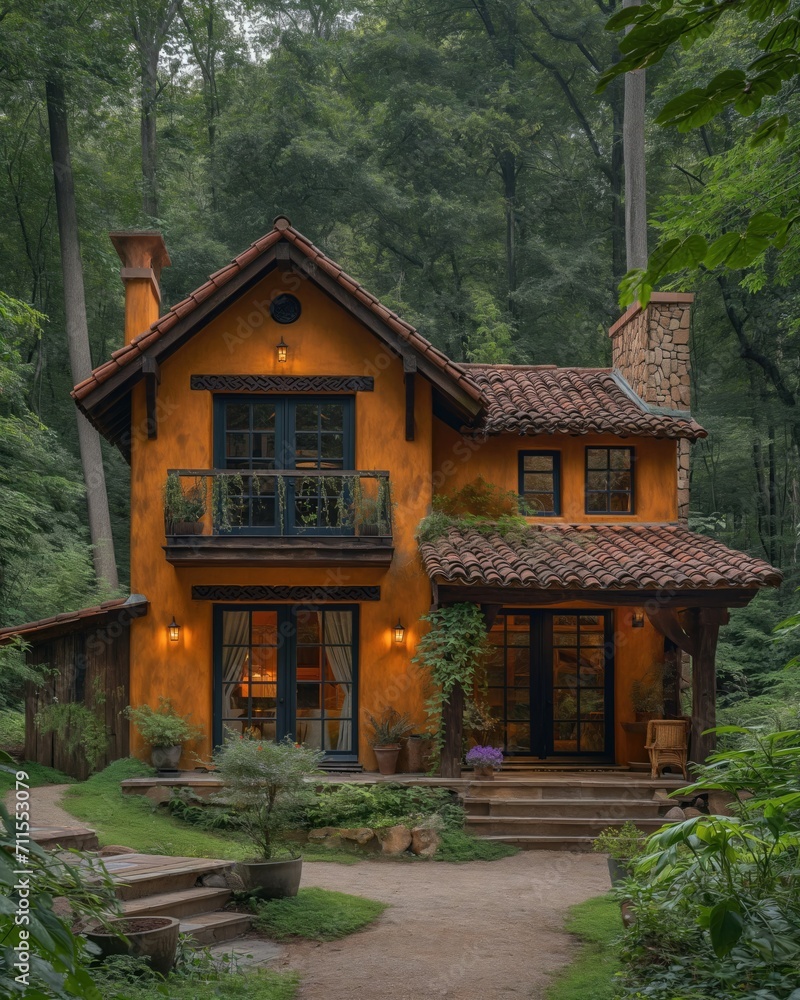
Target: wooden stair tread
(177, 898)
(600, 803)
(576, 820)
(216, 918)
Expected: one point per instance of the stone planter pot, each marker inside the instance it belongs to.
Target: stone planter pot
(387, 759)
(484, 773)
(271, 879)
(154, 939)
(166, 758)
(617, 871)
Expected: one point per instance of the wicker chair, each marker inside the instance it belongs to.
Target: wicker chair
(667, 743)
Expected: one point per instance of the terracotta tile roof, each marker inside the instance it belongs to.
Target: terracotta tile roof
(70, 621)
(593, 557)
(282, 230)
(545, 399)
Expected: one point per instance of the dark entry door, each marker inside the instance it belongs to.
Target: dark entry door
(287, 671)
(550, 684)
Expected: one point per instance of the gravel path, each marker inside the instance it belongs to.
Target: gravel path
(478, 931)
(45, 807)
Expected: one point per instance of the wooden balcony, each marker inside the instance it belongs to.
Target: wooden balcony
(278, 517)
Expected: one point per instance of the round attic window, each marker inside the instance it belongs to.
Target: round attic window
(285, 309)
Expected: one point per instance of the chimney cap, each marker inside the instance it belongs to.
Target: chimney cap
(141, 248)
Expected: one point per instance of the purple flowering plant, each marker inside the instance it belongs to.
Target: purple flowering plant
(485, 757)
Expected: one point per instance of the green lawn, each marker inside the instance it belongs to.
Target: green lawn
(598, 924)
(138, 984)
(38, 775)
(316, 914)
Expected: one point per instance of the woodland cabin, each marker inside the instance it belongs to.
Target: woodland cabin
(287, 433)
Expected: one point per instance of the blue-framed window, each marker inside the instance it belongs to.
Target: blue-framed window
(609, 480)
(259, 434)
(540, 482)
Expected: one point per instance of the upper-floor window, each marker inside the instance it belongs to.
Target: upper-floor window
(539, 482)
(609, 480)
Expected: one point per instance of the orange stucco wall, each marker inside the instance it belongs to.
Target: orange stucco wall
(325, 340)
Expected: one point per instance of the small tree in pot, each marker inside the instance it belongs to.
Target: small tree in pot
(388, 732)
(266, 783)
(165, 732)
(623, 845)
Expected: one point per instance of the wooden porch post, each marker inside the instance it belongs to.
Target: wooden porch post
(453, 722)
(705, 632)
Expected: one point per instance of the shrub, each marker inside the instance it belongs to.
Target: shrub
(162, 726)
(381, 805)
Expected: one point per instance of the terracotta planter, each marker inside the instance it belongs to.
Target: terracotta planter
(387, 759)
(272, 879)
(166, 758)
(484, 773)
(417, 747)
(154, 939)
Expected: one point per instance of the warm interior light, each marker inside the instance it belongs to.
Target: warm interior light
(637, 619)
(399, 631)
(283, 347)
(174, 630)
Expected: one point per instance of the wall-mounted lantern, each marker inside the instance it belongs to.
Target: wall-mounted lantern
(173, 630)
(637, 619)
(282, 349)
(399, 632)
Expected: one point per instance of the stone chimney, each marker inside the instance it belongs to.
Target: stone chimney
(143, 253)
(650, 348)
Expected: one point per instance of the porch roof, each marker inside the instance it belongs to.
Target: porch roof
(134, 606)
(626, 562)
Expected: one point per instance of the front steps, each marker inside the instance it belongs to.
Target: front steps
(563, 812)
(154, 885)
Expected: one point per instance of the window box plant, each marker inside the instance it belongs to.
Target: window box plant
(484, 761)
(184, 508)
(165, 732)
(388, 733)
(266, 783)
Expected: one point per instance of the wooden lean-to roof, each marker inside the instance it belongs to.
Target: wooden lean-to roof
(104, 397)
(119, 609)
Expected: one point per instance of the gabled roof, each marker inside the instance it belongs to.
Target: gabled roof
(104, 396)
(600, 557)
(544, 399)
(134, 606)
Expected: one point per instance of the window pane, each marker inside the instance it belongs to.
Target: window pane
(263, 446)
(620, 502)
(332, 446)
(620, 458)
(564, 704)
(592, 704)
(519, 737)
(538, 482)
(307, 445)
(592, 737)
(565, 734)
(597, 480)
(263, 416)
(237, 416)
(332, 416)
(620, 480)
(597, 458)
(543, 503)
(306, 416)
(237, 445)
(597, 502)
(537, 463)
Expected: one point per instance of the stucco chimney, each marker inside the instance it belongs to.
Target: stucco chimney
(143, 253)
(650, 348)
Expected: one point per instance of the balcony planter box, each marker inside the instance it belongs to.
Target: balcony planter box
(272, 879)
(187, 528)
(154, 939)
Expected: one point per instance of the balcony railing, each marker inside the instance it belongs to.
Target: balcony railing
(284, 503)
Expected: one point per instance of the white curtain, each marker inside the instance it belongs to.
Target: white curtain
(235, 647)
(339, 630)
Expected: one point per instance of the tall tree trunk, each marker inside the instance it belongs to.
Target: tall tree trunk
(635, 171)
(149, 96)
(78, 333)
(508, 170)
(618, 238)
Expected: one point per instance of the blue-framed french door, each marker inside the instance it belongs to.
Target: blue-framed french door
(260, 433)
(288, 671)
(550, 683)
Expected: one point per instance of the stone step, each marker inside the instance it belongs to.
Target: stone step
(183, 903)
(551, 826)
(66, 838)
(599, 808)
(140, 875)
(618, 789)
(211, 928)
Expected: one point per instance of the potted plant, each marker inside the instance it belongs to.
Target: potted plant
(267, 783)
(154, 939)
(184, 508)
(623, 844)
(484, 760)
(164, 731)
(388, 732)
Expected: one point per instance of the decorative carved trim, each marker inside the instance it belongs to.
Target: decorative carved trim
(299, 595)
(283, 383)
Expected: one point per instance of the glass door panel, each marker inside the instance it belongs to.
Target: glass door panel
(579, 684)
